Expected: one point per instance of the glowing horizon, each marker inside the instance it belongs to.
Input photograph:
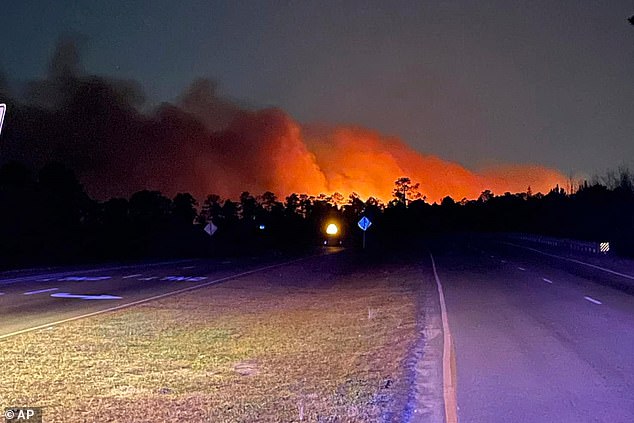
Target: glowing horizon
(348, 159)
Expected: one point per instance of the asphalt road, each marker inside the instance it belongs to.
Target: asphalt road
(34, 298)
(537, 338)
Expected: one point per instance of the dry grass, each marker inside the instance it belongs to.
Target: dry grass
(250, 350)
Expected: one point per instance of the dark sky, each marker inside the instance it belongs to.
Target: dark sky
(548, 82)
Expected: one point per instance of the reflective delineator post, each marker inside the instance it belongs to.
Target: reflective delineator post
(3, 110)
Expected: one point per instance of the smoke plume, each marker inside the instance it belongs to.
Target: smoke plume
(204, 143)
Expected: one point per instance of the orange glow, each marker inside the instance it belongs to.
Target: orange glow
(268, 151)
(363, 161)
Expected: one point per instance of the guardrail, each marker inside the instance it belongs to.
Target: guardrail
(568, 244)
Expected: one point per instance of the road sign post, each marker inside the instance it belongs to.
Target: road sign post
(364, 224)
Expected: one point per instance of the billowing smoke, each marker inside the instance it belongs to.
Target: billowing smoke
(206, 144)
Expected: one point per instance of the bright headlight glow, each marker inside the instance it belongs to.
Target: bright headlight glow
(332, 229)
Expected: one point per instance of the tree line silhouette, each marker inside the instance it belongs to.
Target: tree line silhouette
(48, 218)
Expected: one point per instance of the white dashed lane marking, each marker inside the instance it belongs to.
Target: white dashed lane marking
(547, 280)
(40, 291)
(521, 268)
(132, 276)
(148, 299)
(592, 300)
(573, 261)
(184, 278)
(84, 278)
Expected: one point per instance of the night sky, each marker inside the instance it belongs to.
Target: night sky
(479, 83)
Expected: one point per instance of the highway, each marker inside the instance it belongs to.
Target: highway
(537, 338)
(30, 299)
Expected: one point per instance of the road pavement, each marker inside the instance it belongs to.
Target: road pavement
(537, 338)
(34, 298)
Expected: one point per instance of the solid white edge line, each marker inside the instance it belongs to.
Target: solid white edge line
(592, 300)
(573, 261)
(449, 390)
(145, 300)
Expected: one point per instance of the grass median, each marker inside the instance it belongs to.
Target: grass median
(331, 347)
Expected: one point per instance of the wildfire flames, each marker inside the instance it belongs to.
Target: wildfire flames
(204, 144)
(289, 158)
(363, 161)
